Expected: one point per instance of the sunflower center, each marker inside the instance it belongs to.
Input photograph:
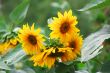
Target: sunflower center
(72, 44)
(32, 39)
(56, 54)
(0, 53)
(64, 28)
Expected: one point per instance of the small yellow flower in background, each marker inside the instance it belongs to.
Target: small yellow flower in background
(4, 48)
(8, 45)
(32, 40)
(13, 42)
(50, 56)
(64, 27)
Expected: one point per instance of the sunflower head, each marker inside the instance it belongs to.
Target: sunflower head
(49, 56)
(67, 52)
(63, 26)
(32, 40)
(75, 44)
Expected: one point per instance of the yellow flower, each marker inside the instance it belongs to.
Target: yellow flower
(13, 42)
(4, 48)
(64, 27)
(76, 44)
(8, 45)
(49, 56)
(32, 40)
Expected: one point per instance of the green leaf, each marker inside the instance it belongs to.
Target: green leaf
(2, 72)
(40, 70)
(3, 28)
(19, 13)
(91, 49)
(106, 67)
(52, 70)
(2, 24)
(94, 4)
(4, 66)
(62, 68)
(29, 70)
(14, 56)
(82, 71)
(25, 70)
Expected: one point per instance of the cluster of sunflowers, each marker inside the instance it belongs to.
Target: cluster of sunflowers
(63, 45)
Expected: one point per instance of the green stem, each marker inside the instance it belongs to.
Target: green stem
(88, 67)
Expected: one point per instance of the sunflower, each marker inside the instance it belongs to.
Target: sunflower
(32, 40)
(75, 44)
(8, 45)
(50, 56)
(64, 27)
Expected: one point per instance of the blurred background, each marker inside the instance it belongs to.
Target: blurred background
(41, 10)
